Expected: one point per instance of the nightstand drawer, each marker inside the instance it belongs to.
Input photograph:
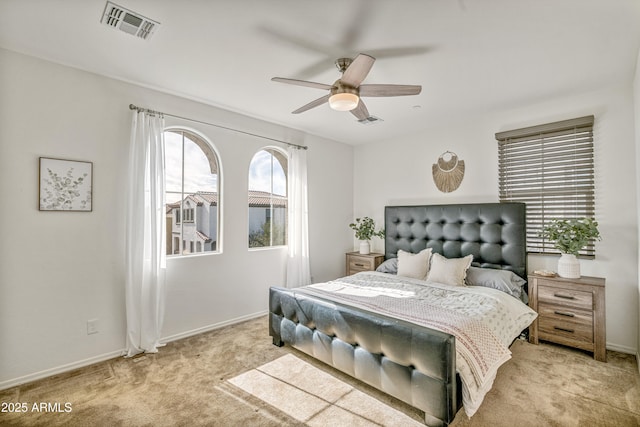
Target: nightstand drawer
(565, 297)
(551, 329)
(359, 263)
(566, 314)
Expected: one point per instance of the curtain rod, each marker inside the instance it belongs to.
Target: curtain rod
(146, 110)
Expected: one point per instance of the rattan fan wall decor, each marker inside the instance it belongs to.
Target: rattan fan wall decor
(448, 172)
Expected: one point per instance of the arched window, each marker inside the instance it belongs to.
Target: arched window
(192, 193)
(268, 198)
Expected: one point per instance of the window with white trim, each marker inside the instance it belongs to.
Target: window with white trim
(268, 198)
(549, 167)
(192, 193)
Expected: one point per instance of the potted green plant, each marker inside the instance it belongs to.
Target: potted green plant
(365, 229)
(569, 237)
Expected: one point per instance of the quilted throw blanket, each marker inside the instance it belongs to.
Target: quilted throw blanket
(484, 321)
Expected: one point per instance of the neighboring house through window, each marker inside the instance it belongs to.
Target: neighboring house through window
(550, 168)
(268, 199)
(192, 193)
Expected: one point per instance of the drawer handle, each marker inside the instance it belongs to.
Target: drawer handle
(564, 313)
(359, 265)
(564, 329)
(564, 296)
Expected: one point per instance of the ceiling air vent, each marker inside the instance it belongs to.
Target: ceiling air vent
(370, 120)
(130, 22)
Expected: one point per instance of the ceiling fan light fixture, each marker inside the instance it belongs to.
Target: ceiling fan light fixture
(343, 101)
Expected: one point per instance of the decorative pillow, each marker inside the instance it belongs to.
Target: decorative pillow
(502, 280)
(449, 271)
(414, 265)
(390, 266)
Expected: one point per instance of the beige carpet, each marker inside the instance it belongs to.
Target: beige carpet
(234, 376)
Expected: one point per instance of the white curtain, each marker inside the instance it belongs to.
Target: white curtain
(298, 270)
(145, 239)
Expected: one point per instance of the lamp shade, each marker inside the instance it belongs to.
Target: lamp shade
(344, 101)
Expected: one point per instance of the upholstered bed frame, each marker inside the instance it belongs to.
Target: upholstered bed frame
(412, 363)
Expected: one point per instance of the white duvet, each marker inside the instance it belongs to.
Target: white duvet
(484, 321)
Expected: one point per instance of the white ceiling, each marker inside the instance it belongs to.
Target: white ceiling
(468, 55)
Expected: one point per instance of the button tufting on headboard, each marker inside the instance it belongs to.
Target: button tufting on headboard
(494, 233)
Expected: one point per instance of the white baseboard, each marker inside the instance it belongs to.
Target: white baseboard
(213, 326)
(60, 369)
(101, 358)
(621, 349)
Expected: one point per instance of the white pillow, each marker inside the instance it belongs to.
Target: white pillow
(414, 265)
(449, 271)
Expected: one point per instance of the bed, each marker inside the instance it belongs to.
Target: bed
(367, 325)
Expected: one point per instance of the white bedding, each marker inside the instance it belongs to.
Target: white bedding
(484, 321)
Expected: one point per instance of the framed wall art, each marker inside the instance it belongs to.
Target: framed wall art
(65, 185)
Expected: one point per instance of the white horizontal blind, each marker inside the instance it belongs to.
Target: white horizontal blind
(550, 168)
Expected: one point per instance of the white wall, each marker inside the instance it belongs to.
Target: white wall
(59, 270)
(399, 172)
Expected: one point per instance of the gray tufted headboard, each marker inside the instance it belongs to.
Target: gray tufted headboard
(494, 233)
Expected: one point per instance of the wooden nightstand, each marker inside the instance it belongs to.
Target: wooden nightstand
(357, 262)
(570, 312)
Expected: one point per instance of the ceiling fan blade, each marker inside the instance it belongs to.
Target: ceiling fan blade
(302, 83)
(394, 52)
(360, 111)
(316, 68)
(359, 19)
(311, 105)
(356, 26)
(358, 70)
(330, 50)
(389, 90)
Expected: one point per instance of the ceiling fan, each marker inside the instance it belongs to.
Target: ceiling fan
(345, 94)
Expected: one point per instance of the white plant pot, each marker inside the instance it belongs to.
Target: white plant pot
(569, 266)
(365, 248)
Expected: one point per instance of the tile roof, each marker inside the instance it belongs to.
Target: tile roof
(256, 199)
(208, 197)
(203, 236)
(262, 198)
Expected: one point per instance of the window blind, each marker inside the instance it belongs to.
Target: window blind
(549, 167)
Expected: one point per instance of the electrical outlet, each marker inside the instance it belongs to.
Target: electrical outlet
(92, 326)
